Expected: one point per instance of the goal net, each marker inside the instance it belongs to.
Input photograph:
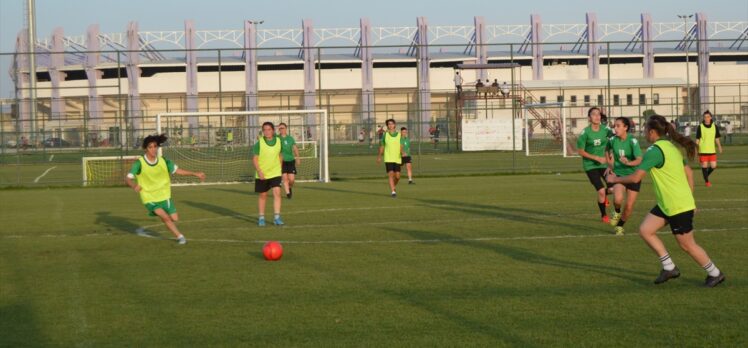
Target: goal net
(547, 131)
(106, 170)
(220, 143)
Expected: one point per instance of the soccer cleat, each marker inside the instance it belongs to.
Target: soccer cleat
(708, 184)
(278, 222)
(606, 219)
(261, 222)
(614, 220)
(410, 182)
(393, 194)
(666, 275)
(619, 230)
(711, 282)
(182, 240)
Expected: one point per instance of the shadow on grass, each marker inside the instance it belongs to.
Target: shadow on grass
(222, 211)
(237, 189)
(19, 327)
(113, 222)
(530, 257)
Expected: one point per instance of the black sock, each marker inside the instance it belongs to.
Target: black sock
(709, 171)
(621, 222)
(705, 173)
(602, 209)
(618, 209)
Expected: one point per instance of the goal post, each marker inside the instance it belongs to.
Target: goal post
(106, 170)
(547, 131)
(220, 143)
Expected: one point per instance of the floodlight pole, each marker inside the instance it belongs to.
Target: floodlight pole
(688, 69)
(31, 33)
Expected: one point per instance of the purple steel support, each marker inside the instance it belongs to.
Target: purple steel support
(309, 52)
(250, 60)
(537, 47)
(647, 46)
(133, 76)
(56, 62)
(593, 52)
(93, 75)
(367, 69)
(481, 51)
(702, 35)
(424, 85)
(21, 80)
(191, 99)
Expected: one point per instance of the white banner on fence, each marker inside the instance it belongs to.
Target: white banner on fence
(483, 134)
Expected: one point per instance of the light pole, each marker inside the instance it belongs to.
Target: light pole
(686, 43)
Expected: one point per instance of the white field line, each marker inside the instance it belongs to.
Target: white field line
(43, 174)
(386, 241)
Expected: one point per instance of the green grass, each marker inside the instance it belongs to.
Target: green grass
(454, 261)
(67, 166)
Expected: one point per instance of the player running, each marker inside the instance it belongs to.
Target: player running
(673, 185)
(268, 161)
(707, 134)
(153, 175)
(591, 146)
(405, 142)
(624, 154)
(392, 149)
(290, 159)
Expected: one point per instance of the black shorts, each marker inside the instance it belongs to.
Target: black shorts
(267, 184)
(597, 178)
(406, 159)
(679, 223)
(633, 187)
(289, 167)
(392, 167)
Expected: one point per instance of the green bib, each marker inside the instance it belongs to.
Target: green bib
(269, 159)
(154, 181)
(392, 145)
(674, 196)
(706, 142)
(406, 146)
(287, 144)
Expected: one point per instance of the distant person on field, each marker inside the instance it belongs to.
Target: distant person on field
(406, 160)
(707, 135)
(361, 135)
(153, 176)
(290, 159)
(437, 130)
(591, 146)
(687, 130)
(624, 154)
(728, 133)
(268, 163)
(392, 149)
(380, 133)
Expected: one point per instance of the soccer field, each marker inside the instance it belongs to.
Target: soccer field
(453, 261)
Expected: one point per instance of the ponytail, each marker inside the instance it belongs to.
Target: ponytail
(662, 127)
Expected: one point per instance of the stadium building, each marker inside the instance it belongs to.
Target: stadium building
(112, 82)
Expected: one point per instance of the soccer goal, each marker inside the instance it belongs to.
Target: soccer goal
(220, 143)
(546, 130)
(106, 170)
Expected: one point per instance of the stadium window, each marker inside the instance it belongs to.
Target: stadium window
(560, 98)
(616, 99)
(656, 98)
(629, 99)
(542, 99)
(642, 99)
(586, 100)
(599, 99)
(573, 100)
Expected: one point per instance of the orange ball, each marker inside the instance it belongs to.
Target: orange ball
(273, 251)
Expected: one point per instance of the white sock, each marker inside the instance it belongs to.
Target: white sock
(276, 216)
(393, 192)
(711, 269)
(667, 262)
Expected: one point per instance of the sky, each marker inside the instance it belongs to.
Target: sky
(166, 15)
